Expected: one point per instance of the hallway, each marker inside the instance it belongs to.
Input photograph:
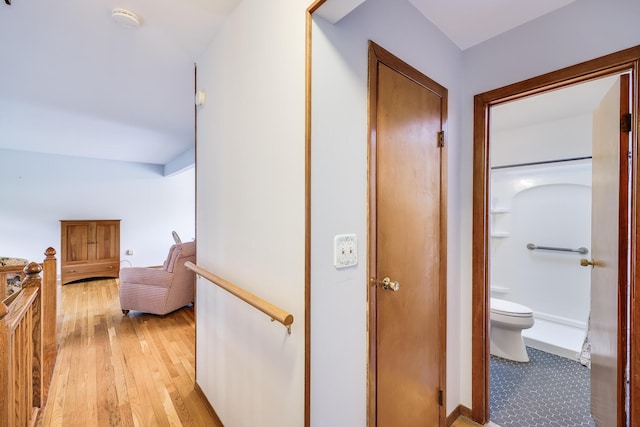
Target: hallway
(113, 370)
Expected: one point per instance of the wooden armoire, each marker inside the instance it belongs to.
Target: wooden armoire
(89, 248)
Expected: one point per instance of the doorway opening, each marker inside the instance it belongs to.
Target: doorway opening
(540, 207)
(608, 394)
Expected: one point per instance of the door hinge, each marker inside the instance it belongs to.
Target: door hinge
(625, 122)
(441, 397)
(441, 139)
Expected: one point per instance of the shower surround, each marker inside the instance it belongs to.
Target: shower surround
(544, 205)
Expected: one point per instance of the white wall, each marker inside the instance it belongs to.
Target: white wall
(583, 30)
(38, 190)
(339, 195)
(251, 195)
(251, 213)
(541, 142)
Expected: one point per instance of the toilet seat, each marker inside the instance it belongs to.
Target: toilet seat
(508, 308)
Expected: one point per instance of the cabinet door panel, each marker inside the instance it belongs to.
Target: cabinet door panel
(76, 243)
(107, 242)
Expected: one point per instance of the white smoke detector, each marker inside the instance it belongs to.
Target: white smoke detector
(126, 18)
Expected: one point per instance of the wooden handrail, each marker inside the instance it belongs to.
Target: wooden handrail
(267, 308)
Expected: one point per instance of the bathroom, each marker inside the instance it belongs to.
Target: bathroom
(546, 205)
(540, 229)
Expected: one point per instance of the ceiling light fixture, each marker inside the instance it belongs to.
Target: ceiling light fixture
(125, 18)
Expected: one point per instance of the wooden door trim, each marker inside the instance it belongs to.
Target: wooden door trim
(618, 62)
(378, 55)
(313, 7)
(623, 249)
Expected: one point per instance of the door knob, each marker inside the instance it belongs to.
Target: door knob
(389, 285)
(587, 262)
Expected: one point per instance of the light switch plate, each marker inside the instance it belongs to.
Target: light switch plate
(345, 250)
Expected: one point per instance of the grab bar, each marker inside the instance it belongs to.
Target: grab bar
(580, 250)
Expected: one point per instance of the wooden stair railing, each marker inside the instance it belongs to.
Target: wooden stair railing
(28, 345)
(267, 308)
(21, 353)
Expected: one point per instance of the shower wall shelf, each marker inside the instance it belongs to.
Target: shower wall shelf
(500, 234)
(499, 289)
(497, 222)
(500, 210)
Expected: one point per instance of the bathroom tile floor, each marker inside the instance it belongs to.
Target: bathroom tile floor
(548, 391)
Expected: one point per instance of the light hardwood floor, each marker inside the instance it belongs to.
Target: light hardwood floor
(114, 370)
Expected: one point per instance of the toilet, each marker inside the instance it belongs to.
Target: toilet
(507, 320)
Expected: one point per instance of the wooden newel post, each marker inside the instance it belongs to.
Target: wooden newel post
(32, 275)
(4, 367)
(33, 279)
(49, 293)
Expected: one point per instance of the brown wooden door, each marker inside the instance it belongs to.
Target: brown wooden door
(407, 243)
(609, 251)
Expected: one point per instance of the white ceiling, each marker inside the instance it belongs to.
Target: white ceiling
(559, 104)
(74, 82)
(470, 22)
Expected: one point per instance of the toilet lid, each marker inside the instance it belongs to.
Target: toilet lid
(508, 308)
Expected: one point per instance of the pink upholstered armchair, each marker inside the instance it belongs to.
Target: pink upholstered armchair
(159, 290)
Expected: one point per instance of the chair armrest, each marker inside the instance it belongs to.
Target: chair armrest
(146, 276)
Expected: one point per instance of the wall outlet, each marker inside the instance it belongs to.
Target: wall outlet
(345, 250)
(129, 252)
